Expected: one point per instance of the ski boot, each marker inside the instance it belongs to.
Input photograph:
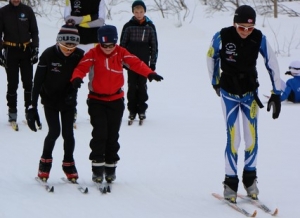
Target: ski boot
(230, 188)
(110, 172)
(250, 184)
(98, 171)
(44, 169)
(131, 118)
(12, 119)
(142, 117)
(70, 171)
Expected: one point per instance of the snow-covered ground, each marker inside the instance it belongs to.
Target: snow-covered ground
(170, 166)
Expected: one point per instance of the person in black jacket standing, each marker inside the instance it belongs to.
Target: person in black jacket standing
(139, 38)
(52, 83)
(19, 48)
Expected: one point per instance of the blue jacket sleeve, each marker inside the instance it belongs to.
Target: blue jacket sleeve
(213, 59)
(271, 64)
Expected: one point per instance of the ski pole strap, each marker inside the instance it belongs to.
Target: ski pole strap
(256, 98)
(106, 95)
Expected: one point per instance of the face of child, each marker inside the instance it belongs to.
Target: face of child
(139, 13)
(244, 29)
(107, 48)
(15, 2)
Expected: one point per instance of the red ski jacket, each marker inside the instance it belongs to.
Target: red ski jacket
(106, 77)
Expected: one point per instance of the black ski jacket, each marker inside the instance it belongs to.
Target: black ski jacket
(52, 78)
(140, 39)
(18, 25)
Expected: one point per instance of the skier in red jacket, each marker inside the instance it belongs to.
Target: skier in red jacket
(104, 63)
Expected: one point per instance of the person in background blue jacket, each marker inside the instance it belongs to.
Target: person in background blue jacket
(231, 62)
(291, 91)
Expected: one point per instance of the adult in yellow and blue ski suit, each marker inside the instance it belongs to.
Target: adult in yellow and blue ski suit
(231, 61)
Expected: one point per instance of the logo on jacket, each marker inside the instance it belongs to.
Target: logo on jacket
(55, 67)
(230, 50)
(77, 7)
(23, 17)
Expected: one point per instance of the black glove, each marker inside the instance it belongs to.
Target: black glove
(153, 67)
(77, 83)
(3, 61)
(32, 117)
(34, 55)
(288, 73)
(274, 102)
(217, 89)
(155, 76)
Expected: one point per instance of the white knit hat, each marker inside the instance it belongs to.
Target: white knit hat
(295, 67)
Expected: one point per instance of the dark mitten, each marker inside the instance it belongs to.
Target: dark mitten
(33, 117)
(155, 76)
(288, 73)
(217, 89)
(77, 83)
(274, 102)
(153, 67)
(34, 55)
(2, 61)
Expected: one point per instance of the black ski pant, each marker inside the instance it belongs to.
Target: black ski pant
(18, 59)
(106, 118)
(137, 93)
(52, 117)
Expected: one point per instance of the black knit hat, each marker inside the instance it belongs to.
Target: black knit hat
(138, 2)
(68, 33)
(244, 14)
(107, 34)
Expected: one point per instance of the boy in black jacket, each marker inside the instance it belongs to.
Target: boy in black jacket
(52, 83)
(139, 38)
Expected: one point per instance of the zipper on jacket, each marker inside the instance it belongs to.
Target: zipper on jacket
(143, 35)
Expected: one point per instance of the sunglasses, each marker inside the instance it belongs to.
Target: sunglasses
(244, 28)
(108, 45)
(67, 48)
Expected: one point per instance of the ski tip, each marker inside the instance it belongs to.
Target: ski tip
(51, 189)
(275, 212)
(86, 190)
(254, 214)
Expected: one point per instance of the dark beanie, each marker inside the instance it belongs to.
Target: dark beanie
(244, 14)
(68, 33)
(107, 34)
(138, 2)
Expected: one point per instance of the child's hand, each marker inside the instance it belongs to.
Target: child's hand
(155, 76)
